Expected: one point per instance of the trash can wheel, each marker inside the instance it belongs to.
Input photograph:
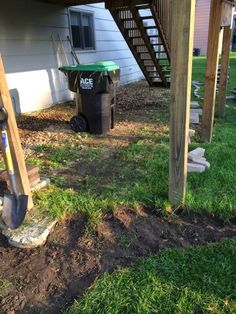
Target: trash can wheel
(78, 123)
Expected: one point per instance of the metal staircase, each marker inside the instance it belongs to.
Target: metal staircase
(145, 26)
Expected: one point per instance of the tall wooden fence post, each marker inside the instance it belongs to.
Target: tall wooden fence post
(211, 69)
(183, 17)
(224, 70)
(22, 180)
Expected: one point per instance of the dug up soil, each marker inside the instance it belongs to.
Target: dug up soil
(50, 278)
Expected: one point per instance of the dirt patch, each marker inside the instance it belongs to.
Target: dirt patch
(48, 279)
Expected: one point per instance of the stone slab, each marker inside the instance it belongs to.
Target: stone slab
(30, 234)
(196, 153)
(192, 167)
(41, 184)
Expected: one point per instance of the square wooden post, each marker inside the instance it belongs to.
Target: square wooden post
(211, 69)
(183, 17)
(22, 180)
(224, 69)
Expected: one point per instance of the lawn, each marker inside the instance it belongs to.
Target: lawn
(110, 194)
(133, 171)
(192, 280)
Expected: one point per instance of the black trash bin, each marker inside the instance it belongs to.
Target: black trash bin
(96, 84)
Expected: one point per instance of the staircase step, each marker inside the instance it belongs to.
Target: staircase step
(150, 27)
(147, 17)
(143, 7)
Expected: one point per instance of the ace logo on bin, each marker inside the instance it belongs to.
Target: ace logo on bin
(86, 83)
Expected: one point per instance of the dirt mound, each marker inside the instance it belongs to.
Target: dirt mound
(48, 279)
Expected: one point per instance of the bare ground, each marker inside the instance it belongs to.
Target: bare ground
(48, 279)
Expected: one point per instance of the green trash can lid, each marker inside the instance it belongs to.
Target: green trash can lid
(101, 66)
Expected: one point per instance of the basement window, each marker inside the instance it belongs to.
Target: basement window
(82, 30)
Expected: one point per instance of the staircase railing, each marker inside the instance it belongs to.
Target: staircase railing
(163, 9)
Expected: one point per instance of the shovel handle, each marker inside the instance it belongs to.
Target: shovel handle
(7, 152)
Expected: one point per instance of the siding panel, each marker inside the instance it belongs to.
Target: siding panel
(31, 62)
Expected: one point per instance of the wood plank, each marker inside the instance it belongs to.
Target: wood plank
(146, 39)
(22, 181)
(183, 17)
(224, 69)
(227, 15)
(211, 70)
(130, 44)
(33, 175)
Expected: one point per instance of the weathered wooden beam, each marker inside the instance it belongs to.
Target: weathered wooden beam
(224, 70)
(211, 69)
(125, 3)
(183, 16)
(22, 181)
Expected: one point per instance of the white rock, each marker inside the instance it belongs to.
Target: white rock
(192, 167)
(196, 153)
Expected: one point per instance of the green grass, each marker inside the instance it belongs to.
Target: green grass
(192, 280)
(214, 192)
(137, 175)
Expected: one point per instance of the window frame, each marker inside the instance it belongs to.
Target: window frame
(80, 13)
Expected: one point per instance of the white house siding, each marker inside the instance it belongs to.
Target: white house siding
(110, 44)
(29, 56)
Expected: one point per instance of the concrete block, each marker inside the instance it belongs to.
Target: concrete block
(192, 167)
(191, 132)
(194, 118)
(196, 153)
(194, 104)
(203, 162)
(197, 110)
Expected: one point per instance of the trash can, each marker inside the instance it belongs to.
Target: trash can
(196, 52)
(96, 83)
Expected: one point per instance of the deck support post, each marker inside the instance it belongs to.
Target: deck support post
(22, 180)
(211, 69)
(224, 70)
(183, 17)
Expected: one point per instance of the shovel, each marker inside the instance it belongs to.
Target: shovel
(14, 205)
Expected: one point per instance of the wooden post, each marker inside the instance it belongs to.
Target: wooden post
(22, 181)
(224, 70)
(183, 16)
(211, 69)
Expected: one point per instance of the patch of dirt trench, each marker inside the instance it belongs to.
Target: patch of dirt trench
(48, 279)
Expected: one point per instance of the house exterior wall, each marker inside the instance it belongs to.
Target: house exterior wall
(31, 58)
(201, 25)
